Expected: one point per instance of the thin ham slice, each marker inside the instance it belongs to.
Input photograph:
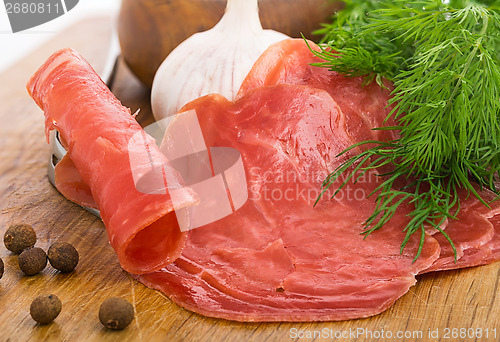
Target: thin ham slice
(291, 62)
(279, 258)
(474, 233)
(96, 129)
(469, 233)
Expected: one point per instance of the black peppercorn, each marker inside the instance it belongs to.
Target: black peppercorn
(116, 313)
(63, 256)
(1, 268)
(44, 309)
(19, 237)
(32, 261)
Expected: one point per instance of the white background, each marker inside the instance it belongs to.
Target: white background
(13, 46)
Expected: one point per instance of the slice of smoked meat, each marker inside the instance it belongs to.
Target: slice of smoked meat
(278, 258)
(97, 129)
(291, 62)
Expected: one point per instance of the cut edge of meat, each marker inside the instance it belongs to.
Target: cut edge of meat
(474, 242)
(494, 243)
(235, 309)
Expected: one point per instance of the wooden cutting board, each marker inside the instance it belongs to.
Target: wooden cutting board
(440, 304)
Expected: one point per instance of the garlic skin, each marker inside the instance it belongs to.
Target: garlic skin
(213, 61)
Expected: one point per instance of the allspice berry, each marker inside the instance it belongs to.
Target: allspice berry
(19, 237)
(44, 309)
(32, 261)
(116, 313)
(63, 256)
(1, 268)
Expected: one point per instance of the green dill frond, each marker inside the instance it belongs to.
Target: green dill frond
(444, 60)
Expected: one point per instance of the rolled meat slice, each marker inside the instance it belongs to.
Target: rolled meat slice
(100, 136)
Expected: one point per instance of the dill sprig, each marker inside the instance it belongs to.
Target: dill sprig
(444, 60)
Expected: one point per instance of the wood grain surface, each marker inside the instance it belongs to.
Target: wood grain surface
(462, 299)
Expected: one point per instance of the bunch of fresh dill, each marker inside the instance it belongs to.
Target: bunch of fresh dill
(444, 60)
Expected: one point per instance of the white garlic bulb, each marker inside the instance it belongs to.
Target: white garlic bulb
(214, 61)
